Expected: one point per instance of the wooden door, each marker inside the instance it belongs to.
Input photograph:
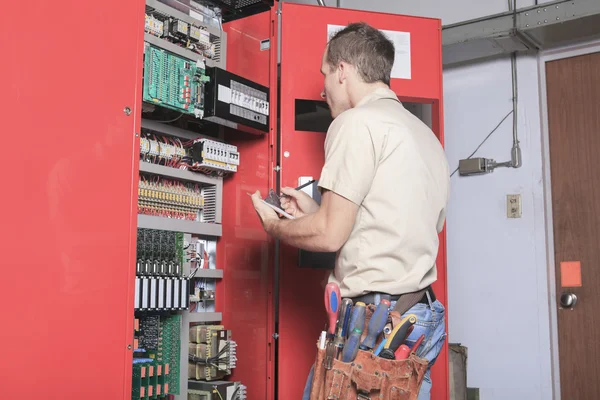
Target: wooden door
(573, 87)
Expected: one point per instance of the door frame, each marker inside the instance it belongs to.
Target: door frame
(568, 51)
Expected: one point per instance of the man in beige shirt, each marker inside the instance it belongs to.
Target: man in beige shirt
(384, 185)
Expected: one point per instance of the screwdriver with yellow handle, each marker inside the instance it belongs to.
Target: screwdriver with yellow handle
(397, 336)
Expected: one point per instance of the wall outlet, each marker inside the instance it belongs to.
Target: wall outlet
(513, 206)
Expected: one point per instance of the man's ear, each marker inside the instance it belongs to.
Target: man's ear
(342, 71)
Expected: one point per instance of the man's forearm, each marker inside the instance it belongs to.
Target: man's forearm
(307, 233)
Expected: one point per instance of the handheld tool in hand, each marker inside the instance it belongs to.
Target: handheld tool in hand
(357, 319)
(397, 336)
(376, 324)
(351, 348)
(332, 305)
(300, 187)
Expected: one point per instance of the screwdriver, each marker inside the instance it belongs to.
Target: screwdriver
(346, 311)
(376, 324)
(397, 336)
(342, 326)
(351, 348)
(357, 320)
(332, 304)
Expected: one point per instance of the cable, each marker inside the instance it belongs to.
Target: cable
(486, 138)
(172, 120)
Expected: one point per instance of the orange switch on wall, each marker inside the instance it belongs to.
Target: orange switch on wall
(570, 273)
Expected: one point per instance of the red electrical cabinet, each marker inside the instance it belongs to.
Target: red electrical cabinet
(71, 104)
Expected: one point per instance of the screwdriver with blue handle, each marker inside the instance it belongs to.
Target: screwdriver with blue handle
(351, 347)
(376, 324)
(356, 325)
(357, 320)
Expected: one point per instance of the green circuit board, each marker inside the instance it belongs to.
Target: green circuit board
(168, 351)
(156, 366)
(173, 82)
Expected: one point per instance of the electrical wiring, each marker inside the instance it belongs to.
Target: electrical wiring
(171, 120)
(203, 155)
(213, 361)
(169, 198)
(217, 392)
(486, 138)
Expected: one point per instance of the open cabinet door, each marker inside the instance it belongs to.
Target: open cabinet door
(417, 78)
(70, 104)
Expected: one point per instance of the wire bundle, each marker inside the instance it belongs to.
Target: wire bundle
(227, 356)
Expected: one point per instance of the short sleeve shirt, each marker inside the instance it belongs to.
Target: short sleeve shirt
(381, 157)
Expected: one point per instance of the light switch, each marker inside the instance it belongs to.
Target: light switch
(513, 206)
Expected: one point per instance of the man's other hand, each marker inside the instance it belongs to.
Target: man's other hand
(267, 215)
(297, 203)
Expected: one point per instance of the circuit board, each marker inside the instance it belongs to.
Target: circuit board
(156, 361)
(168, 350)
(174, 82)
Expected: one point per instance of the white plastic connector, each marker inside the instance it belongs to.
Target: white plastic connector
(144, 146)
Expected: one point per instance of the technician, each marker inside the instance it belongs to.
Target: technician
(384, 185)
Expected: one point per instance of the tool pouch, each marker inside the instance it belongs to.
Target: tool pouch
(368, 377)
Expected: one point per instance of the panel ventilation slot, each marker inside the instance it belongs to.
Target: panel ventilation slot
(217, 56)
(209, 213)
(245, 3)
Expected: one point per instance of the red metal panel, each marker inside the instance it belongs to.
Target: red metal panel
(245, 252)
(69, 197)
(301, 315)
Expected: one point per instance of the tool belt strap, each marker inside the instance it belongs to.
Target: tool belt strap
(408, 300)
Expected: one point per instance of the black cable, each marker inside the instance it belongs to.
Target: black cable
(486, 138)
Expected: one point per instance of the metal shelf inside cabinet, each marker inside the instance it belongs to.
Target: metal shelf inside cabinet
(202, 317)
(209, 274)
(180, 51)
(160, 127)
(177, 173)
(165, 9)
(179, 225)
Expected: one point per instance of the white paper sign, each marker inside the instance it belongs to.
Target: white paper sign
(401, 40)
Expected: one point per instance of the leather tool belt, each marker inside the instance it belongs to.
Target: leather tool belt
(417, 297)
(368, 376)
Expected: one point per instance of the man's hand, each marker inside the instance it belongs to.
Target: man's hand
(267, 215)
(297, 203)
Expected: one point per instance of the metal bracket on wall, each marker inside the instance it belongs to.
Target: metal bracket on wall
(535, 28)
